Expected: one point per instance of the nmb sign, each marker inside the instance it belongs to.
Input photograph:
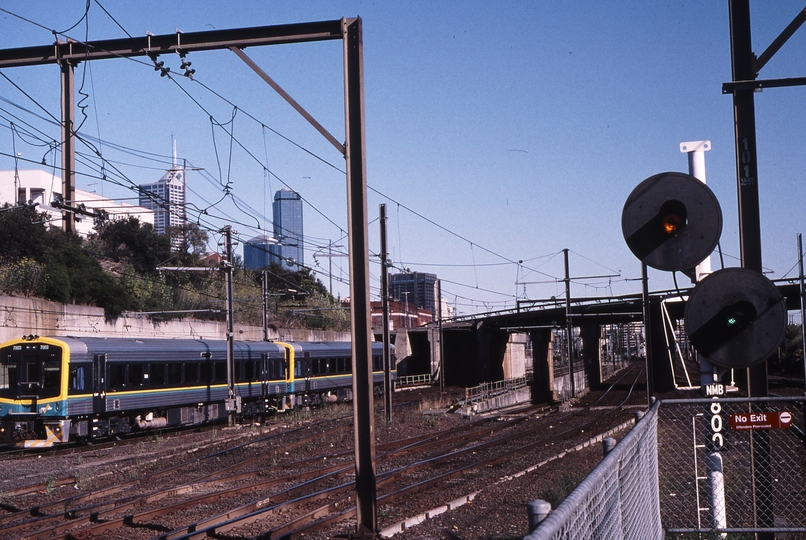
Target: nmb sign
(715, 389)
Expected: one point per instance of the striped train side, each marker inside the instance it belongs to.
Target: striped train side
(53, 390)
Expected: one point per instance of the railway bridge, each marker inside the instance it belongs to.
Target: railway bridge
(474, 347)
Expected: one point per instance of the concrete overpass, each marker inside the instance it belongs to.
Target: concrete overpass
(474, 347)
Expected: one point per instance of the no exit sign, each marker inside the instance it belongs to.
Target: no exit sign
(761, 420)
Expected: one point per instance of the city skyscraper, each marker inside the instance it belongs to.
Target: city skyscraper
(287, 210)
(166, 198)
(415, 290)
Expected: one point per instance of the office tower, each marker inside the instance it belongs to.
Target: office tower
(167, 198)
(287, 209)
(256, 252)
(415, 290)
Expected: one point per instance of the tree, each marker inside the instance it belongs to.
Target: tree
(22, 233)
(790, 357)
(135, 243)
(71, 275)
(190, 239)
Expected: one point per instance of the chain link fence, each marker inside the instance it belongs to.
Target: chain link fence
(724, 468)
(619, 498)
(734, 465)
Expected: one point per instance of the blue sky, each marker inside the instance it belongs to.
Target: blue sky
(516, 128)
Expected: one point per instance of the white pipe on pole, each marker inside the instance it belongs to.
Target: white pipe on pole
(695, 151)
(696, 168)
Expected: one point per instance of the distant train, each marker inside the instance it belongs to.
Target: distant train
(53, 390)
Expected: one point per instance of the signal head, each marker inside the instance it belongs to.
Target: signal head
(735, 318)
(671, 221)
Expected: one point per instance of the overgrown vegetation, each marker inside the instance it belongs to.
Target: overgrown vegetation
(116, 268)
(790, 357)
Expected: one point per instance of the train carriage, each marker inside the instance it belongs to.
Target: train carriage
(56, 389)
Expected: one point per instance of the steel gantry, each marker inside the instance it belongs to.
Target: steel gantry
(67, 54)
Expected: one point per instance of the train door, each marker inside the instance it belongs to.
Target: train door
(265, 371)
(302, 372)
(308, 370)
(99, 383)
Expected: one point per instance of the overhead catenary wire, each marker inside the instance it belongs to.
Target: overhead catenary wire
(473, 245)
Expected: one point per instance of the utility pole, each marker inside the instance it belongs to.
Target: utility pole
(68, 144)
(232, 401)
(802, 299)
(387, 360)
(569, 325)
(265, 297)
(441, 353)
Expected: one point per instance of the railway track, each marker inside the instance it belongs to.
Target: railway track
(298, 482)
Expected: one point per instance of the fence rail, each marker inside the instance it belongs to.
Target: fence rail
(408, 381)
(618, 499)
(492, 389)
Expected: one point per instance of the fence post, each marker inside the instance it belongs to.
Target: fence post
(538, 511)
(608, 443)
(716, 490)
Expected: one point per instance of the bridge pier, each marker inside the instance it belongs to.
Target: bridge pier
(543, 367)
(591, 353)
(474, 354)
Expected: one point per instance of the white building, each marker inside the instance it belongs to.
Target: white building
(42, 187)
(166, 198)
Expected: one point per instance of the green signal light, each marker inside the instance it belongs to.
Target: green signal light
(724, 326)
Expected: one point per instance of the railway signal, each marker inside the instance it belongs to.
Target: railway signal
(671, 221)
(735, 318)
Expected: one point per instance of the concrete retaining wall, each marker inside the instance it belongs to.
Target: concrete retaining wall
(21, 316)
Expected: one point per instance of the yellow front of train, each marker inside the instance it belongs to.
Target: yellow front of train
(34, 392)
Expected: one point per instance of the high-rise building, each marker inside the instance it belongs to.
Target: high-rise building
(415, 290)
(167, 198)
(256, 252)
(289, 249)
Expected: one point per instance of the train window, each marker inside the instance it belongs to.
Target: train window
(206, 372)
(52, 374)
(341, 366)
(192, 373)
(249, 370)
(276, 370)
(174, 373)
(156, 374)
(30, 372)
(77, 379)
(135, 374)
(116, 375)
(302, 367)
(8, 373)
(220, 371)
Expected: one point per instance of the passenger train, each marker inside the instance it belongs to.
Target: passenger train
(53, 390)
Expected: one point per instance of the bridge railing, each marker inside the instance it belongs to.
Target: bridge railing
(492, 389)
(408, 381)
